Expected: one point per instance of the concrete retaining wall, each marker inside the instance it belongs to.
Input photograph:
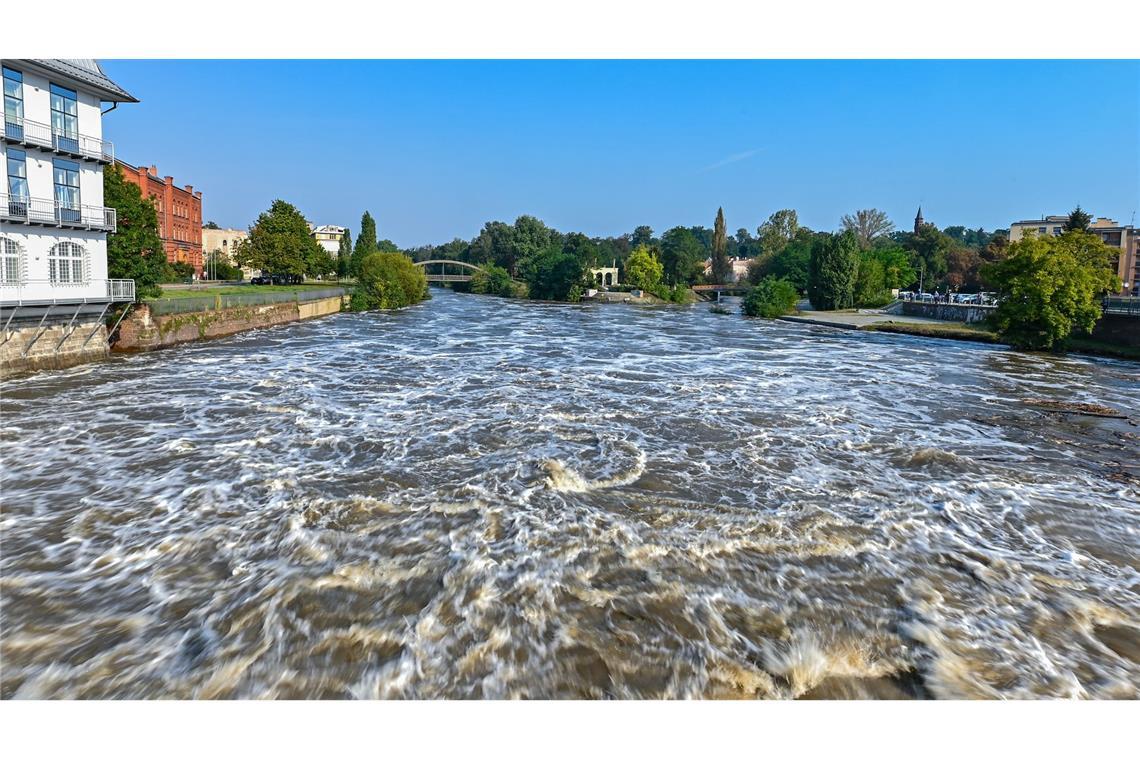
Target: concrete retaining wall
(950, 312)
(44, 353)
(143, 330)
(1118, 328)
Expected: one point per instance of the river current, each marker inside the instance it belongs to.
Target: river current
(480, 498)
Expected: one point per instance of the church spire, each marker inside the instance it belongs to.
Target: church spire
(918, 221)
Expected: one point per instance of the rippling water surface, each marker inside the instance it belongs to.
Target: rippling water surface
(483, 498)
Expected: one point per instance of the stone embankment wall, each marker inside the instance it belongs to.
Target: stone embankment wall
(1121, 329)
(950, 312)
(144, 330)
(58, 347)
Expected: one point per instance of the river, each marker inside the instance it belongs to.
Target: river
(480, 498)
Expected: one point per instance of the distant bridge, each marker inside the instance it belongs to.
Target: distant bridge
(731, 288)
(442, 275)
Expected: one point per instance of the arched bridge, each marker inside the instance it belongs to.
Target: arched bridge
(442, 275)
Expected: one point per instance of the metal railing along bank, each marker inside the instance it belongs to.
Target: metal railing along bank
(1128, 305)
(26, 132)
(15, 208)
(42, 292)
(255, 297)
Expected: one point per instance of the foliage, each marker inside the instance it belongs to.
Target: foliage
(1050, 287)
(681, 256)
(832, 270)
(388, 281)
(642, 236)
(791, 263)
(365, 244)
(644, 270)
(581, 248)
(210, 225)
(552, 275)
(770, 298)
(344, 254)
(721, 267)
(218, 267)
(279, 242)
(867, 224)
(492, 280)
(1079, 220)
(177, 271)
(134, 249)
(898, 272)
(962, 269)
(930, 252)
(870, 282)
(777, 232)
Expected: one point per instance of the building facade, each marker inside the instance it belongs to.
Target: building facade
(53, 224)
(223, 240)
(179, 213)
(1125, 238)
(328, 236)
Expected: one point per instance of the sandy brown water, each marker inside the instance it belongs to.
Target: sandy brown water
(482, 498)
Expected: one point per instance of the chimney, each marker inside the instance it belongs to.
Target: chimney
(189, 189)
(154, 171)
(169, 181)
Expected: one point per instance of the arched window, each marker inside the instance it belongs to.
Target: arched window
(66, 263)
(11, 262)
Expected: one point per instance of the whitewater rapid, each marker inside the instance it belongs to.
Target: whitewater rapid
(480, 498)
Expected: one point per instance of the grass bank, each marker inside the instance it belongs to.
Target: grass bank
(230, 290)
(982, 334)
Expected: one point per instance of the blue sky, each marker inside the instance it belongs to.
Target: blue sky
(435, 148)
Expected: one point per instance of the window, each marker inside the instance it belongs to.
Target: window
(67, 190)
(64, 118)
(1056, 230)
(13, 104)
(66, 263)
(1041, 230)
(17, 182)
(11, 262)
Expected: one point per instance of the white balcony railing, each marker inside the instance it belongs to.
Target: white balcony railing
(14, 208)
(26, 132)
(39, 292)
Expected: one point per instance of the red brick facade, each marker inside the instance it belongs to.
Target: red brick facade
(179, 213)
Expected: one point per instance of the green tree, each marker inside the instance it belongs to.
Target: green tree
(1050, 287)
(494, 245)
(681, 256)
(388, 281)
(643, 235)
(644, 270)
(931, 252)
(867, 224)
(721, 267)
(832, 270)
(211, 225)
(871, 282)
(552, 275)
(493, 280)
(365, 243)
(898, 272)
(770, 298)
(218, 267)
(134, 249)
(344, 254)
(581, 248)
(279, 242)
(1078, 220)
(529, 238)
(777, 232)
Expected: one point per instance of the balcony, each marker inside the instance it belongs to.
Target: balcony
(47, 292)
(21, 131)
(52, 213)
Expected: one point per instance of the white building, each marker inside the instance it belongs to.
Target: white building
(53, 224)
(328, 236)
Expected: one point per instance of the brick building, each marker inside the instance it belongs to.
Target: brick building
(179, 213)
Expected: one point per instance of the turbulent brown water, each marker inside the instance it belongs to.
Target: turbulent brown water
(483, 498)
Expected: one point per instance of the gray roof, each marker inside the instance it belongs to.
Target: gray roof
(86, 71)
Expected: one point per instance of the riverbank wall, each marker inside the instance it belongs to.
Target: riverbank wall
(56, 343)
(1120, 329)
(947, 312)
(164, 323)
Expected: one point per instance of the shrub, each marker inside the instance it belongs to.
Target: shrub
(493, 280)
(388, 281)
(770, 298)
